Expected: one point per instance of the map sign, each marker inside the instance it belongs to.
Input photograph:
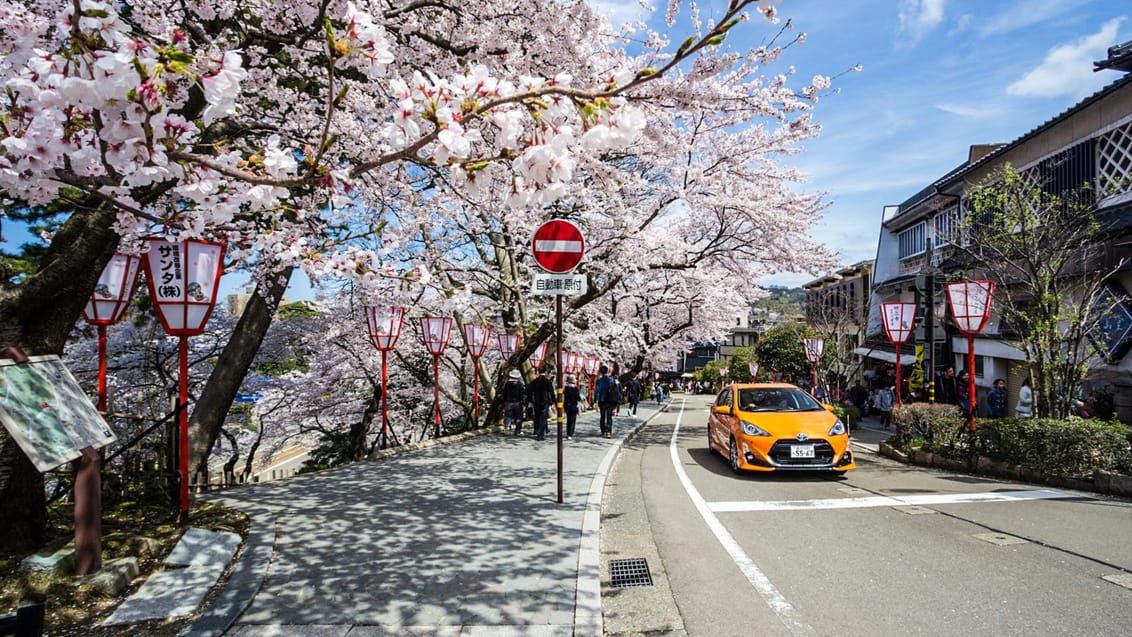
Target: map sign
(45, 410)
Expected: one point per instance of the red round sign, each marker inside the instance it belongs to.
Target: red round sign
(558, 246)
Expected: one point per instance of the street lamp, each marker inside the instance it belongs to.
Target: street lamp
(107, 304)
(183, 278)
(384, 325)
(435, 331)
(814, 348)
(970, 303)
(477, 336)
(898, 321)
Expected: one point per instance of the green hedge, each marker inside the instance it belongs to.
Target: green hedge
(1070, 447)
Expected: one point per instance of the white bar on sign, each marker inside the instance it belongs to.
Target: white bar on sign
(557, 245)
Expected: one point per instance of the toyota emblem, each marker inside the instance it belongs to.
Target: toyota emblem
(802, 437)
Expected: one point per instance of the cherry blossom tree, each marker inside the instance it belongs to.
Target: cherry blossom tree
(286, 131)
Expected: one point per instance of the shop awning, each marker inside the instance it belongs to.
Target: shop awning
(885, 355)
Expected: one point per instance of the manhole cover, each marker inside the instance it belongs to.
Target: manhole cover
(632, 572)
(1001, 539)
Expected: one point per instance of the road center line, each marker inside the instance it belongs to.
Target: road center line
(778, 604)
(885, 501)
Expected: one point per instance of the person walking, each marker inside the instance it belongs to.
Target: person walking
(996, 399)
(1025, 407)
(571, 396)
(633, 389)
(608, 395)
(540, 393)
(883, 401)
(513, 391)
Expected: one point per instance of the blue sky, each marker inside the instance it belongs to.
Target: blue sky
(937, 76)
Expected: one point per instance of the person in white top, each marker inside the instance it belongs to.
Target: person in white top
(1025, 408)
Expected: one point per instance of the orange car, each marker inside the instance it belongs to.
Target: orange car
(775, 427)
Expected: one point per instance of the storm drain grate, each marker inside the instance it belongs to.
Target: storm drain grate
(632, 572)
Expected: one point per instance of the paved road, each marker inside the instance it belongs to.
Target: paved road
(457, 539)
(891, 549)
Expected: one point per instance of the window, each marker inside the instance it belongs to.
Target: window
(947, 226)
(912, 241)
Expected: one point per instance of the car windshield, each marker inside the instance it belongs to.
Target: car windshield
(777, 399)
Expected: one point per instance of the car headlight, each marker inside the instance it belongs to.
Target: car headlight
(838, 428)
(752, 430)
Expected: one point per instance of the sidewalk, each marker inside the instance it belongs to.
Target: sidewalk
(457, 539)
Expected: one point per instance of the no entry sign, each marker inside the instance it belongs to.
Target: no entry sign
(558, 246)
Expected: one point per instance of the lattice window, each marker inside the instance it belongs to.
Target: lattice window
(1114, 161)
(947, 226)
(911, 241)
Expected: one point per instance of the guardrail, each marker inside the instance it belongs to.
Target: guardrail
(27, 621)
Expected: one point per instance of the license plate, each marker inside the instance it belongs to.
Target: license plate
(801, 451)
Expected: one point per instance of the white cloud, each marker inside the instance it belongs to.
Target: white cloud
(964, 110)
(1068, 68)
(917, 17)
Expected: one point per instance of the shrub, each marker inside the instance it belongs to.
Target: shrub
(1070, 447)
(849, 414)
(937, 424)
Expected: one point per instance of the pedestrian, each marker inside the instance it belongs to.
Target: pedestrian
(963, 392)
(540, 393)
(513, 391)
(996, 399)
(608, 395)
(884, 400)
(1025, 407)
(634, 390)
(571, 396)
(947, 390)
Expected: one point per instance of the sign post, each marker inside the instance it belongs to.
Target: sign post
(558, 247)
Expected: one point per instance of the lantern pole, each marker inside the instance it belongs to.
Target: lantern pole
(183, 430)
(102, 368)
(436, 392)
(384, 401)
(899, 385)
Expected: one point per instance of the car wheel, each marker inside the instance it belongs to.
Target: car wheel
(733, 455)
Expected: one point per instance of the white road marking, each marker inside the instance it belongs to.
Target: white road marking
(885, 501)
(777, 603)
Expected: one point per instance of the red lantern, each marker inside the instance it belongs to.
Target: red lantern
(754, 369)
(435, 331)
(592, 364)
(384, 325)
(108, 302)
(814, 348)
(538, 356)
(898, 321)
(183, 278)
(508, 343)
(477, 336)
(970, 303)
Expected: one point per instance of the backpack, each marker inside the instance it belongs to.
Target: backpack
(613, 392)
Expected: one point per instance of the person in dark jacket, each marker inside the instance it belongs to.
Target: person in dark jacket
(540, 393)
(996, 400)
(634, 390)
(513, 391)
(570, 398)
(947, 388)
(605, 391)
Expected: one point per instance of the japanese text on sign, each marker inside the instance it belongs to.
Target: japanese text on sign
(554, 284)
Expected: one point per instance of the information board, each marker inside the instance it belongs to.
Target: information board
(45, 410)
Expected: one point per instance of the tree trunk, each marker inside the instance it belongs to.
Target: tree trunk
(212, 407)
(360, 430)
(37, 316)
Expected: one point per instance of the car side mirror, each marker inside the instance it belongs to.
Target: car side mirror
(828, 407)
(722, 409)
